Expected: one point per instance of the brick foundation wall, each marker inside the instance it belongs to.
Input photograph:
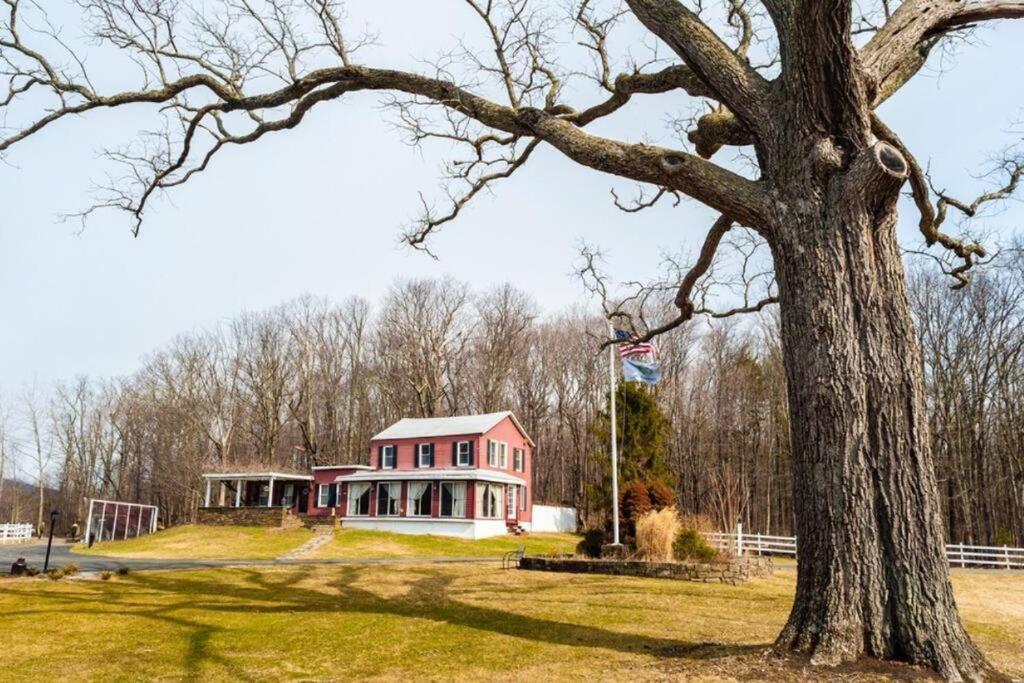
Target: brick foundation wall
(734, 571)
(246, 516)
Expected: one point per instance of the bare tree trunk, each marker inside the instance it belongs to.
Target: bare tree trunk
(873, 578)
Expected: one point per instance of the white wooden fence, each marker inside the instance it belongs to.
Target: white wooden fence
(15, 533)
(959, 554)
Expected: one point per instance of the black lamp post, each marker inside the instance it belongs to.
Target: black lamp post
(49, 543)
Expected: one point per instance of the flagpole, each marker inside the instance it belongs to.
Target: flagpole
(615, 453)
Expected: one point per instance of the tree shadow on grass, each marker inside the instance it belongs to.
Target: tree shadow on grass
(428, 594)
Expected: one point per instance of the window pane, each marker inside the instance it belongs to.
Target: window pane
(459, 509)
(447, 500)
(419, 499)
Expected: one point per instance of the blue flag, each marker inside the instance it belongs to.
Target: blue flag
(634, 370)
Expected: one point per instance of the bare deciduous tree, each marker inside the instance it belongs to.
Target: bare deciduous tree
(872, 579)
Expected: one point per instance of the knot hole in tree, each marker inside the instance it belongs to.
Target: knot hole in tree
(891, 159)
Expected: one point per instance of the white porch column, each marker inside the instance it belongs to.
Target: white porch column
(270, 494)
(238, 494)
(221, 489)
(207, 503)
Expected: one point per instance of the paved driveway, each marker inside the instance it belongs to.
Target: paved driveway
(60, 555)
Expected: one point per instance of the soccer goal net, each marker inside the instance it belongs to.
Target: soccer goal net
(117, 520)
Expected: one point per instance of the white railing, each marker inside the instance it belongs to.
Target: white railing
(958, 554)
(15, 533)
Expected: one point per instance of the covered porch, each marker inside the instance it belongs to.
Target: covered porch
(257, 490)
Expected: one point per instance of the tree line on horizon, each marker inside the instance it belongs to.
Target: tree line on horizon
(310, 381)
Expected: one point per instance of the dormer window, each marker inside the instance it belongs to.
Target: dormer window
(387, 457)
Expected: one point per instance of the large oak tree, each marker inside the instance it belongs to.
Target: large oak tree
(873, 579)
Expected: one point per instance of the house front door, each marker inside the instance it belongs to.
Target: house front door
(303, 501)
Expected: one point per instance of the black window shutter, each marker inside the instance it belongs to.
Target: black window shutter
(455, 453)
(332, 496)
(380, 457)
(416, 455)
(470, 453)
(431, 455)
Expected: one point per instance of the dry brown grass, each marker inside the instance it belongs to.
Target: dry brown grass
(656, 531)
(439, 622)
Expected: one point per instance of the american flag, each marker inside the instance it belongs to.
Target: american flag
(629, 347)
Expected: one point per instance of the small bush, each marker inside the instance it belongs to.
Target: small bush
(661, 495)
(31, 571)
(691, 545)
(123, 571)
(591, 544)
(105, 575)
(70, 569)
(655, 533)
(55, 574)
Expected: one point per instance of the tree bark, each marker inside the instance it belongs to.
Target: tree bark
(873, 578)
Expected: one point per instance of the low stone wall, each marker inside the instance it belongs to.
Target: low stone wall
(734, 571)
(245, 516)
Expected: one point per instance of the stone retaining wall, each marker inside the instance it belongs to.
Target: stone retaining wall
(734, 571)
(245, 516)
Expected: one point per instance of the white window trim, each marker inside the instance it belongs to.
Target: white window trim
(456, 485)
(459, 454)
(503, 455)
(323, 495)
(492, 453)
(521, 453)
(388, 451)
(499, 501)
(398, 498)
(352, 499)
(409, 503)
(420, 453)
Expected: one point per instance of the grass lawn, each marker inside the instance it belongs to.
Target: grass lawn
(429, 622)
(360, 543)
(206, 543)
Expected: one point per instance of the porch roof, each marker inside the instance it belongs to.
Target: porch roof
(465, 474)
(251, 476)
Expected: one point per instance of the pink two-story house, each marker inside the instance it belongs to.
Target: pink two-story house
(466, 476)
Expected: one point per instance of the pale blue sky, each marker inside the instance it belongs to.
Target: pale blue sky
(319, 210)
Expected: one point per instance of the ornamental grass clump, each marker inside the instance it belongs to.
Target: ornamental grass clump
(656, 531)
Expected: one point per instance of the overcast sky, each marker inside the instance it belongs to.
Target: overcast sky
(319, 209)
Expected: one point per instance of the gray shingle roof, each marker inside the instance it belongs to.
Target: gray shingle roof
(416, 427)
